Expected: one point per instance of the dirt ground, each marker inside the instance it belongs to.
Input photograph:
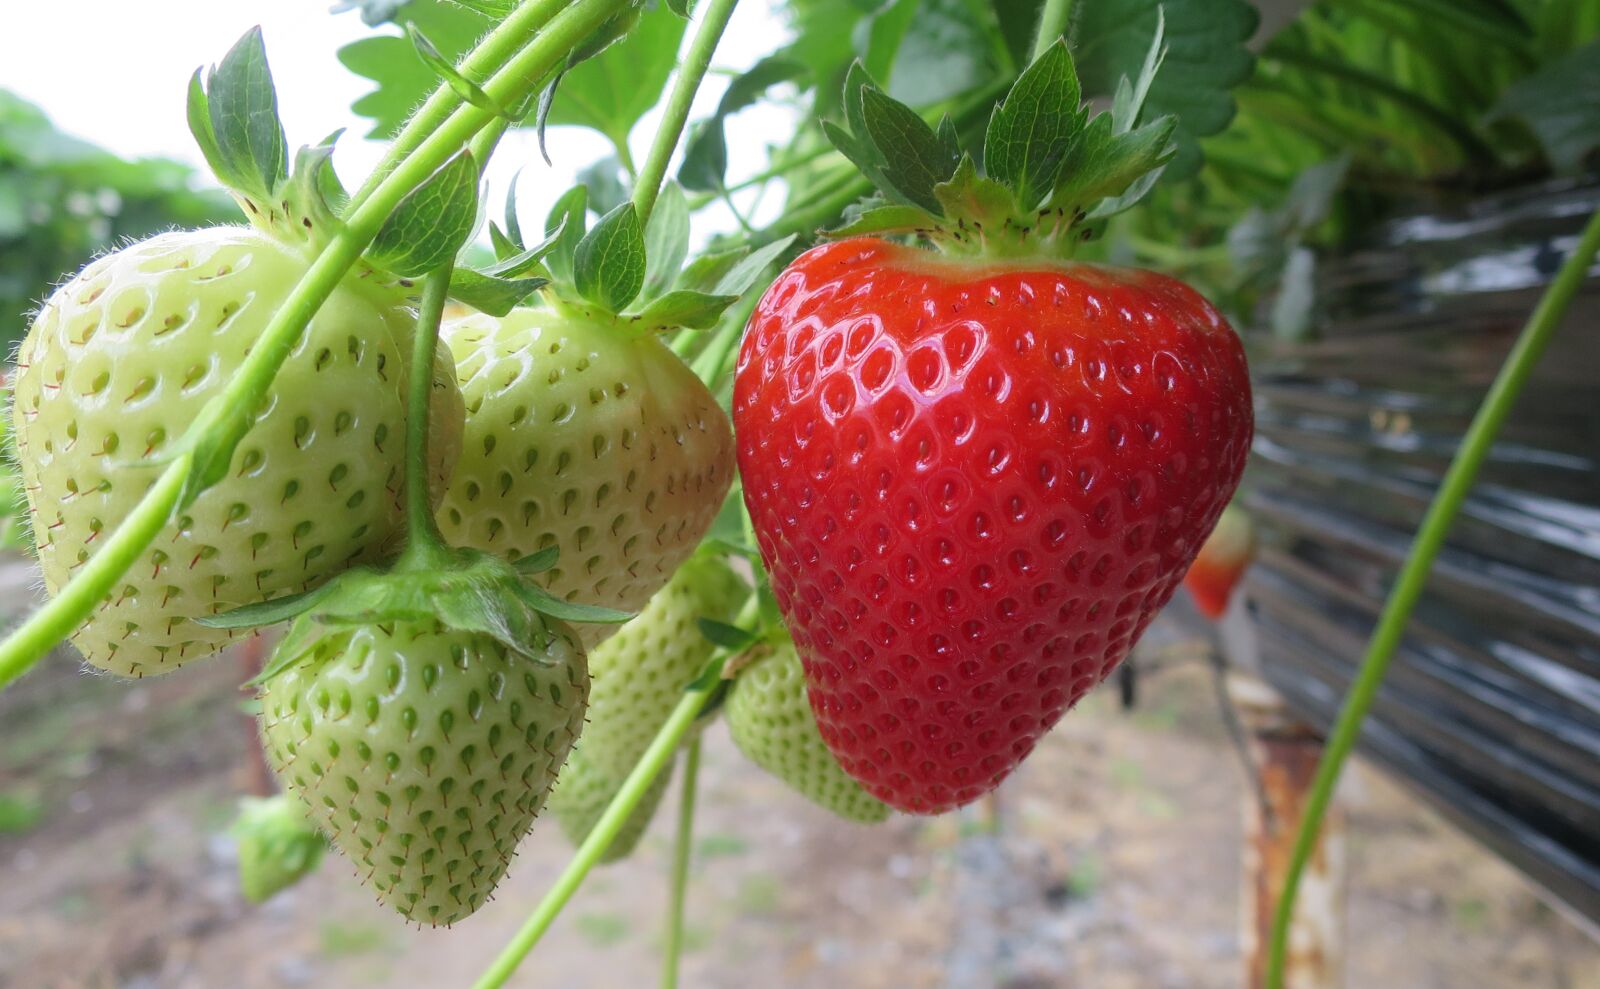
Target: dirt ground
(1111, 860)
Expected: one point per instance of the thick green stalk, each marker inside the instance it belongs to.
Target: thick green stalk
(695, 63)
(486, 58)
(1413, 579)
(248, 389)
(1052, 25)
(655, 758)
(683, 846)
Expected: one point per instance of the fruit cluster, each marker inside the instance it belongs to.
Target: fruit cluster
(974, 474)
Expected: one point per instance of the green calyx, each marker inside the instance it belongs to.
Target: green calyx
(624, 274)
(1051, 171)
(461, 589)
(233, 115)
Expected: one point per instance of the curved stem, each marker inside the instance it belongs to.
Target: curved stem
(224, 418)
(484, 60)
(683, 847)
(64, 612)
(695, 63)
(1413, 579)
(1052, 25)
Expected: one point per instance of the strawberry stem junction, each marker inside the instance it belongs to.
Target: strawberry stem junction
(1052, 172)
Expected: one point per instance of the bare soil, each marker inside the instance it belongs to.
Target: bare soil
(1111, 860)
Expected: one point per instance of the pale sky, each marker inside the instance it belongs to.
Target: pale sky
(123, 84)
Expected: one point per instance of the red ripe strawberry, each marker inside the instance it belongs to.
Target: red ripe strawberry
(1222, 561)
(973, 488)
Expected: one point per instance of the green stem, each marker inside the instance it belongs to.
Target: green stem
(604, 832)
(423, 542)
(52, 623)
(1052, 25)
(1413, 579)
(695, 63)
(486, 58)
(227, 416)
(682, 848)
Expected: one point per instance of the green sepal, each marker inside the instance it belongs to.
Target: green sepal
(608, 264)
(233, 115)
(492, 294)
(666, 240)
(461, 589)
(1102, 163)
(914, 158)
(739, 278)
(568, 218)
(432, 222)
(1033, 127)
(546, 603)
(525, 261)
(263, 613)
(729, 637)
(705, 272)
(683, 309)
(878, 220)
(463, 87)
(538, 562)
(977, 198)
(314, 191)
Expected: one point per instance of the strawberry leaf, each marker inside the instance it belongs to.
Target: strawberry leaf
(1206, 58)
(432, 222)
(705, 158)
(609, 263)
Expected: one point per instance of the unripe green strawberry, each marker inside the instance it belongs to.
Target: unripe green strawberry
(123, 357)
(639, 675)
(425, 752)
(770, 720)
(586, 437)
(278, 844)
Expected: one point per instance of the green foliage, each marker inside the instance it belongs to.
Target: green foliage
(612, 90)
(607, 88)
(62, 201)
